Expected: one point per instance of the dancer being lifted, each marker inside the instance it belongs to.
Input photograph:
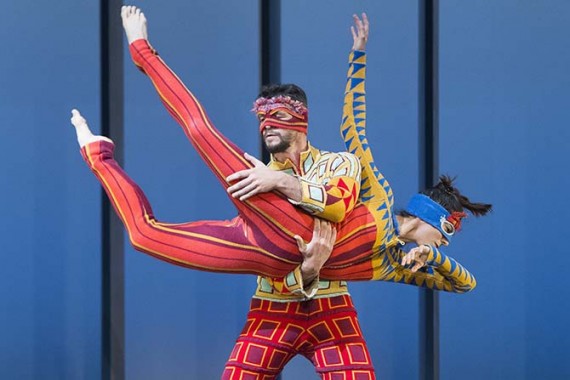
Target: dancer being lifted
(274, 207)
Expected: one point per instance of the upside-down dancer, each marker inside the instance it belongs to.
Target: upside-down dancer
(261, 239)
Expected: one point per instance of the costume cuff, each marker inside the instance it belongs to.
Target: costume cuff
(313, 197)
(357, 56)
(294, 283)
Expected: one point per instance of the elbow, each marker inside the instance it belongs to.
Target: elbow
(333, 214)
(337, 218)
(334, 217)
(472, 285)
(466, 287)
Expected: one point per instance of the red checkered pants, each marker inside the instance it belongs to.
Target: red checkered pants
(325, 331)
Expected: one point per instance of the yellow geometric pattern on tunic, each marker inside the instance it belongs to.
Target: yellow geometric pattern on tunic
(442, 272)
(319, 173)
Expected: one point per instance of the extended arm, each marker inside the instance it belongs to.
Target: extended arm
(353, 127)
(431, 268)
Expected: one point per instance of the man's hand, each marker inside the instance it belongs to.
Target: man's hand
(259, 179)
(318, 250)
(360, 33)
(418, 256)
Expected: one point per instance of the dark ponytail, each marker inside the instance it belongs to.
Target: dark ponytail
(449, 197)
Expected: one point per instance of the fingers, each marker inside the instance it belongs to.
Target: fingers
(360, 31)
(358, 23)
(361, 25)
(365, 23)
(316, 231)
(240, 187)
(238, 176)
(333, 236)
(416, 256)
(328, 228)
(253, 160)
(408, 258)
(244, 173)
(325, 232)
(300, 244)
(422, 249)
(416, 267)
(246, 193)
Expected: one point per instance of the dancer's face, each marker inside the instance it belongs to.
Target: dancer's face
(278, 140)
(429, 235)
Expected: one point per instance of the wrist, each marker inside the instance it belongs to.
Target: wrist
(290, 186)
(309, 271)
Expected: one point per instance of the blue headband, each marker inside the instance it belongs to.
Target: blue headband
(429, 211)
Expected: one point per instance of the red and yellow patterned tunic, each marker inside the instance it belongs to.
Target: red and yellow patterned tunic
(320, 172)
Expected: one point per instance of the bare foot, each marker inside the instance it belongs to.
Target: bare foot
(134, 23)
(84, 135)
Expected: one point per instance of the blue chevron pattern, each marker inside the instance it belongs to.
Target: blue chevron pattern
(443, 273)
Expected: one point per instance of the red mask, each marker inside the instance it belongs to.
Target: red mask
(269, 107)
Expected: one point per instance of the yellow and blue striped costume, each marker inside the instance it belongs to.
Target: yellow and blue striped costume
(442, 272)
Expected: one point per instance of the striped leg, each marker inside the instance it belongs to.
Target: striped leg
(272, 215)
(221, 246)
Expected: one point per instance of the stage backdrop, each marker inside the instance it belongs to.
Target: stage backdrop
(50, 273)
(504, 95)
(505, 91)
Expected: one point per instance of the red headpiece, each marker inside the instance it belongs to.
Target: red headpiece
(455, 219)
(267, 107)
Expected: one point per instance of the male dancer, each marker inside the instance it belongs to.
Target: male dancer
(298, 314)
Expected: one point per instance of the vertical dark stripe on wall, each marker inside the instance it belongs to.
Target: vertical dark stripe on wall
(428, 171)
(270, 48)
(112, 279)
(269, 54)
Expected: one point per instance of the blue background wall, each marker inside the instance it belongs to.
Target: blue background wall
(504, 95)
(50, 226)
(505, 91)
